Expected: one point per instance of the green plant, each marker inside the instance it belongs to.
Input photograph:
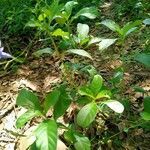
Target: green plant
(123, 32)
(53, 18)
(93, 96)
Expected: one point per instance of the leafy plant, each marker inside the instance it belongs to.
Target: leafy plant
(59, 100)
(123, 32)
(49, 18)
(95, 96)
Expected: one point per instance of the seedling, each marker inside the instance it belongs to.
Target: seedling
(123, 32)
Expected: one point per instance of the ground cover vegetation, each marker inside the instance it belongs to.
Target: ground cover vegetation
(74, 75)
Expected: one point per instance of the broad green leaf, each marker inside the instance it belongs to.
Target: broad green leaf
(43, 51)
(89, 12)
(53, 10)
(103, 94)
(51, 99)
(83, 143)
(69, 6)
(83, 100)
(94, 40)
(62, 104)
(146, 21)
(130, 27)
(80, 52)
(83, 31)
(26, 117)
(145, 115)
(111, 25)
(61, 33)
(96, 84)
(105, 43)
(28, 100)
(86, 91)
(87, 115)
(46, 135)
(144, 59)
(115, 106)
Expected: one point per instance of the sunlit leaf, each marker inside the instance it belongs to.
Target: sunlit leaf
(94, 40)
(26, 117)
(69, 6)
(111, 25)
(83, 30)
(103, 94)
(80, 52)
(89, 12)
(61, 33)
(87, 115)
(46, 135)
(105, 43)
(115, 106)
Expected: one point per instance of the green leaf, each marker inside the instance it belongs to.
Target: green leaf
(87, 115)
(61, 33)
(146, 21)
(26, 117)
(103, 94)
(28, 100)
(94, 40)
(89, 12)
(46, 135)
(80, 52)
(111, 25)
(130, 27)
(51, 99)
(43, 51)
(83, 143)
(62, 104)
(105, 43)
(83, 31)
(86, 91)
(42, 17)
(144, 59)
(139, 89)
(33, 23)
(53, 10)
(96, 84)
(69, 6)
(115, 106)
(145, 115)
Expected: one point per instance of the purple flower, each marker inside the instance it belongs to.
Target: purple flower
(4, 55)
